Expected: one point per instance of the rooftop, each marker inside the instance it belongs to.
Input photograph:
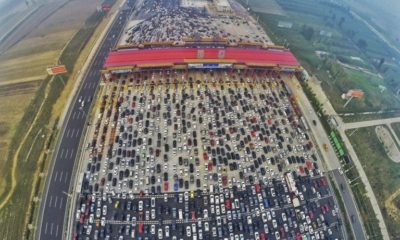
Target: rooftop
(170, 56)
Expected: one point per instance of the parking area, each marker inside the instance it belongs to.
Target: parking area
(167, 21)
(202, 154)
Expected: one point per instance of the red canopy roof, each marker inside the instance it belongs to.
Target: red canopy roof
(132, 57)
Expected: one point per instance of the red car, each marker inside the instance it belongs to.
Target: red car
(298, 236)
(228, 204)
(140, 227)
(205, 156)
(258, 189)
(210, 166)
(262, 236)
(224, 180)
(166, 185)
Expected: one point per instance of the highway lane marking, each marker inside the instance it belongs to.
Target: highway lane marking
(61, 202)
(61, 153)
(72, 134)
(73, 115)
(50, 201)
(55, 176)
(76, 134)
(72, 152)
(68, 132)
(45, 229)
(85, 84)
(51, 229)
(66, 177)
(57, 230)
(79, 115)
(62, 172)
(55, 202)
(66, 153)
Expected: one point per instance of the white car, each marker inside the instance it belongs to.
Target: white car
(206, 227)
(167, 231)
(160, 233)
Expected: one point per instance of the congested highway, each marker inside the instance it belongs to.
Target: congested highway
(201, 159)
(53, 206)
(253, 212)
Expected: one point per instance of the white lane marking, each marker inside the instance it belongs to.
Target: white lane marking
(76, 134)
(66, 177)
(68, 132)
(94, 85)
(73, 115)
(62, 151)
(72, 152)
(72, 134)
(51, 229)
(85, 85)
(79, 115)
(45, 229)
(55, 202)
(61, 202)
(57, 230)
(61, 175)
(50, 201)
(55, 177)
(66, 153)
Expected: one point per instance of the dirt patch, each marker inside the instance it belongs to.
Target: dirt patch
(388, 142)
(392, 205)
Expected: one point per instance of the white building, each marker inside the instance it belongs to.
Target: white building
(223, 5)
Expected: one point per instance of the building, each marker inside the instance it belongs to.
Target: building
(247, 59)
(223, 5)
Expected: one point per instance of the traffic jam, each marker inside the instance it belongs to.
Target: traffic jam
(209, 154)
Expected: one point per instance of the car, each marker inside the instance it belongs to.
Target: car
(160, 233)
(167, 231)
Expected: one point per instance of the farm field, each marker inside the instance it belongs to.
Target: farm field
(13, 97)
(379, 169)
(23, 67)
(327, 28)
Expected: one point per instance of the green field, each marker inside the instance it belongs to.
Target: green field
(369, 84)
(383, 175)
(323, 26)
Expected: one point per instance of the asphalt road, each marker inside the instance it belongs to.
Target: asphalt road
(349, 204)
(53, 205)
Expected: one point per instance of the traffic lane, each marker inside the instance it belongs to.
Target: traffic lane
(57, 197)
(52, 218)
(55, 206)
(350, 206)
